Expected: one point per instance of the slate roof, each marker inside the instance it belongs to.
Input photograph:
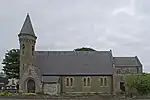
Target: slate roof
(27, 27)
(127, 61)
(74, 62)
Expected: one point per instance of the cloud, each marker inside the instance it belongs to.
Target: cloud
(129, 8)
(120, 25)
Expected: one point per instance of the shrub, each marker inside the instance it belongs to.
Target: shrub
(139, 83)
(5, 93)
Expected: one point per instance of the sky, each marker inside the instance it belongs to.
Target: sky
(119, 25)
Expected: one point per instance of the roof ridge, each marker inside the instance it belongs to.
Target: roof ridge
(70, 51)
(124, 57)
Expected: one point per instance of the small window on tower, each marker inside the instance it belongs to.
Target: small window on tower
(23, 47)
(32, 50)
(23, 66)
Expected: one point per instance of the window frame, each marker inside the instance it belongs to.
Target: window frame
(23, 48)
(105, 85)
(32, 50)
(86, 81)
(68, 82)
(102, 81)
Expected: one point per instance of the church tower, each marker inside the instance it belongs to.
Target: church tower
(27, 40)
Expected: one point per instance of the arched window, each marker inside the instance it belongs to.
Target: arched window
(23, 47)
(69, 81)
(86, 81)
(32, 50)
(101, 81)
(23, 66)
(105, 81)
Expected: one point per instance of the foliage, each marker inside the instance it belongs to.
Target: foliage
(139, 82)
(11, 63)
(5, 94)
(131, 81)
(84, 49)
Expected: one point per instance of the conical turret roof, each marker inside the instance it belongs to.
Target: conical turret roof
(27, 27)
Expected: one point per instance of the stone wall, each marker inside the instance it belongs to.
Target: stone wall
(51, 89)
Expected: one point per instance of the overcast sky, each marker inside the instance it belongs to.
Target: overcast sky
(120, 25)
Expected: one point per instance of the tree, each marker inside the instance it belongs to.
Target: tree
(11, 63)
(84, 49)
(139, 82)
(143, 84)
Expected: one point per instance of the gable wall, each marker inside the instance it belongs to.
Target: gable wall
(30, 73)
(128, 70)
(121, 72)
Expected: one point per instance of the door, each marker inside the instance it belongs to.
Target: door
(31, 86)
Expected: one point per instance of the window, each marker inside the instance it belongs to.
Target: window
(23, 47)
(23, 66)
(32, 50)
(86, 81)
(69, 81)
(103, 81)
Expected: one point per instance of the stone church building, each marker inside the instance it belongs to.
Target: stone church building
(56, 72)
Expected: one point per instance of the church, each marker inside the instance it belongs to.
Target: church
(58, 72)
